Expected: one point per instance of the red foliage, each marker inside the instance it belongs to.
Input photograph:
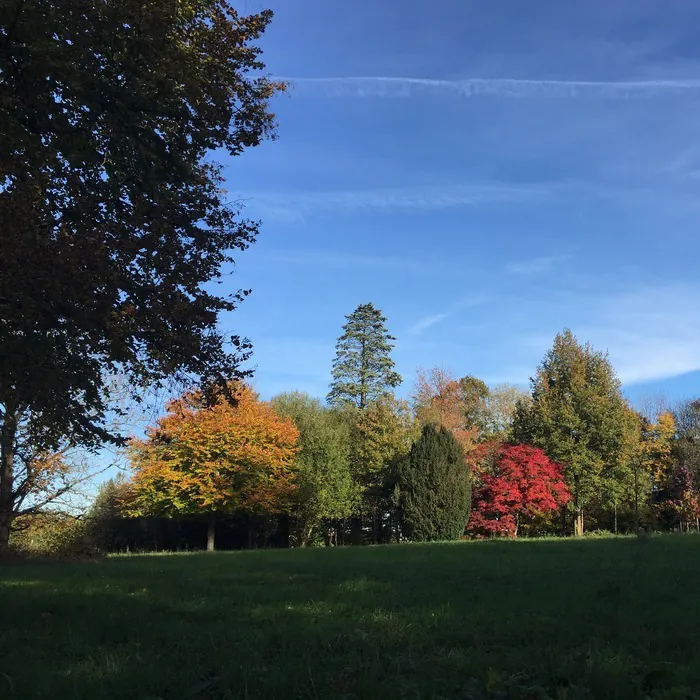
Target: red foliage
(514, 483)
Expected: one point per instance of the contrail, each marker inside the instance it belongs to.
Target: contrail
(398, 87)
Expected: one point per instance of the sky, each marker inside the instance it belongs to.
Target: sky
(485, 173)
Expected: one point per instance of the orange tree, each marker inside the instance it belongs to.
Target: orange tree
(222, 455)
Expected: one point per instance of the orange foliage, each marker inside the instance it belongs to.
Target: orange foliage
(225, 457)
(439, 398)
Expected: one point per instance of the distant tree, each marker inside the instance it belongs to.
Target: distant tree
(214, 457)
(578, 416)
(687, 446)
(114, 220)
(523, 483)
(501, 405)
(379, 436)
(326, 488)
(363, 370)
(460, 405)
(683, 498)
(433, 487)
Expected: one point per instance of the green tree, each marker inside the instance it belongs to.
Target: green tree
(326, 488)
(363, 370)
(114, 220)
(379, 436)
(578, 416)
(433, 487)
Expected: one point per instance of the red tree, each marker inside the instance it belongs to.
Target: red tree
(515, 483)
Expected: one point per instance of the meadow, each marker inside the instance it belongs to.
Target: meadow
(561, 619)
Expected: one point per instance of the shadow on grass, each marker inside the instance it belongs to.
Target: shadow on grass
(545, 619)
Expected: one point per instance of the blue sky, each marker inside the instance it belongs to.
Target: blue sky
(486, 173)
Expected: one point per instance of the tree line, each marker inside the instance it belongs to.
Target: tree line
(115, 231)
(457, 459)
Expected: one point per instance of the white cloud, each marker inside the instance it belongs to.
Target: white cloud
(426, 322)
(401, 87)
(535, 266)
(295, 205)
(651, 332)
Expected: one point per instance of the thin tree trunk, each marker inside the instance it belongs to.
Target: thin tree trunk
(211, 533)
(8, 436)
(616, 518)
(578, 522)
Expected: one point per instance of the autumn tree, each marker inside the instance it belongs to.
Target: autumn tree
(433, 488)
(211, 456)
(687, 446)
(363, 370)
(460, 405)
(522, 484)
(326, 488)
(578, 416)
(114, 219)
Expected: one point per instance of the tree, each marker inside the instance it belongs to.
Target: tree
(379, 436)
(578, 416)
(363, 370)
(460, 405)
(114, 221)
(501, 406)
(434, 487)
(687, 446)
(210, 458)
(523, 484)
(326, 489)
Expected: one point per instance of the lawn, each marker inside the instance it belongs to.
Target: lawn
(610, 618)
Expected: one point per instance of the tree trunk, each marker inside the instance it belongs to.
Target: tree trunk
(616, 518)
(211, 532)
(578, 522)
(356, 531)
(8, 436)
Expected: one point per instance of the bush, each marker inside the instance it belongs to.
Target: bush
(51, 534)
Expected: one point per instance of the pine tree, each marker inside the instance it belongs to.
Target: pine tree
(363, 370)
(579, 417)
(434, 487)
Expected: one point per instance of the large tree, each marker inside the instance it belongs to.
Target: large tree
(326, 488)
(578, 416)
(434, 487)
(232, 454)
(363, 370)
(114, 220)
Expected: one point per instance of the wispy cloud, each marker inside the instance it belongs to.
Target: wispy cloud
(426, 322)
(402, 87)
(651, 332)
(535, 266)
(296, 205)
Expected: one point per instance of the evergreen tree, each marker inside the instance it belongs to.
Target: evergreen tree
(579, 417)
(363, 370)
(434, 487)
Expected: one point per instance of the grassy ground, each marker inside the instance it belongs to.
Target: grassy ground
(541, 619)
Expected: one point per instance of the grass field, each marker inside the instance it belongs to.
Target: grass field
(612, 618)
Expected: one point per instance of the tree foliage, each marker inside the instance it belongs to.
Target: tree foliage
(114, 221)
(326, 488)
(433, 487)
(363, 371)
(578, 416)
(522, 484)
(211, 458)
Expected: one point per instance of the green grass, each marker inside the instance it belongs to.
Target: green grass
(615, 618)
